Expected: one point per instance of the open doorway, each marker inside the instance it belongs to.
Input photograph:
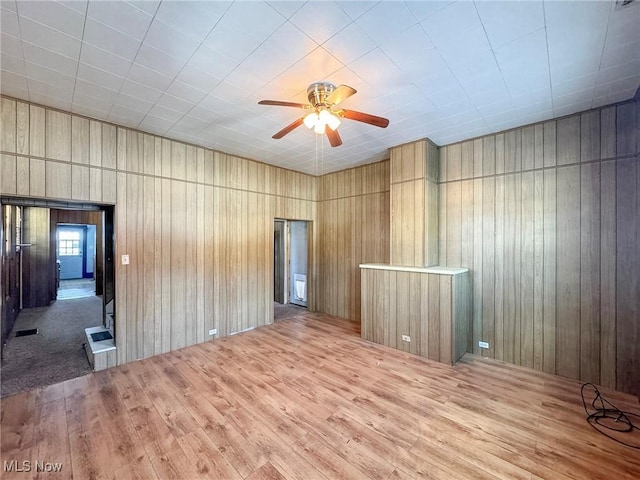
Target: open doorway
(290, 267)
(76, 260)
(44, 324)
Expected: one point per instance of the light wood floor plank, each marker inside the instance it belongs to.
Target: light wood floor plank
(307, 398)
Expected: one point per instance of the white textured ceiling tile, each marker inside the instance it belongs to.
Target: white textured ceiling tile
(573, 69)
(55, 15)
(170, 41)
(49, 38)
(386, 20)
(320, 20)
(268, 61)
(197, 78)
(231, 41)
(12, 64)
(148, 6)
(620, 54)
(195, 19)
(535, 117)
(213, 63)
(501, 107)
(133, 103)
(375, 68)
(79, 6)
(60, 101)
(528, 49)
(583, 96)
(9, 21)
(438, 82)
(245, 78)
(12, 83)
(44, 74)
(317, 66)
(125, 116)
(576, 84)
(626, 87)
(109, 39)
(97, 102)
(10, 5)
(165, 113)
(256, 19)
(10, 45)
(99, 77)
(484, 81)
(121, 16)
(561, 111)
(148, 77)
(46, 58)
(158, 61)
(286, 8)
(185, 92)
(89, 89)
(521, 82)
(407, 50)
(290, 41)
(423, 10)
(479, 64)
(104, 60)
(89, 110)
(463, 45)
(447, 96)
(505, 21)
(155, 125)
(349, 44)
(356, 8)
(621, 71)
(174, 103)
(141, 91)
(445, 23)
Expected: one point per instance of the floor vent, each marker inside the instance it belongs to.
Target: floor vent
(24, 333)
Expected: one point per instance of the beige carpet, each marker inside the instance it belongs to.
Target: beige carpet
(53, 355)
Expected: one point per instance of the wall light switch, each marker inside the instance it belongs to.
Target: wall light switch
(125, 259)
(213, 331)
(482, 344)
(406, 338)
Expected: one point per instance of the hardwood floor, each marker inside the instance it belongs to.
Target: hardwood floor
(307, 399)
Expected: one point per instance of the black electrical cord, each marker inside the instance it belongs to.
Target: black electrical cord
(606, 416)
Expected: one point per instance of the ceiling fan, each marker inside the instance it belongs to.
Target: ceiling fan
(323, 96)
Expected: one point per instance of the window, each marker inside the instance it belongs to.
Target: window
(68, 242)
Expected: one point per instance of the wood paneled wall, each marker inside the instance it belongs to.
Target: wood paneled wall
(36, 266)
(414, 204)
(546, 217)
(197, 224)
(354, 228)
(433, 309)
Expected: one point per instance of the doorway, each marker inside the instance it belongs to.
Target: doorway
(290, 267)
(43, 327)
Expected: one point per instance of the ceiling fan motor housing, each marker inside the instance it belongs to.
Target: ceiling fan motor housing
(318, 92)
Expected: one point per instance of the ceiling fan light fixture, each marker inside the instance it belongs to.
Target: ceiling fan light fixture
(333, 122)
(311, 120)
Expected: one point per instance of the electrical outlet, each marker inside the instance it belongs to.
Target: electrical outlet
(406, 338)
(213, 331)
(483, 344)
(125, 259)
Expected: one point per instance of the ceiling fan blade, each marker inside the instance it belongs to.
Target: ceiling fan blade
(288, 128)
(340, 94)
(364, 117)
(333, 136)
(278, 103)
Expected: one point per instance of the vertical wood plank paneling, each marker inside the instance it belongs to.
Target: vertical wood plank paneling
(148, 262)
(8, 116)
(590, 273)
(446, 311)
(109, 146)
(608, 245)
(37, 177)
(22, 128)
(467, 160)
(22, 175)
(499, 267)
(158, 261)
(528, 148)
(454, 225)
(626, 131)
(568, 273)
(538, 270)
(95, 143)
(58, 135)
(550, 227)
(189, 238)
(177, 260)
(527, 272)
(549, 143)
(37, 131)
(590, 136)
(80, 145)
(608, 132)
(568, 140)
(627, 267)
(509, 271)
(538, 131)
(80, 182)
(8, 174)
(489, 262)
(58, 180)
(478, 266)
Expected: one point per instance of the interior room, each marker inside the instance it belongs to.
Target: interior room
(464, 176)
